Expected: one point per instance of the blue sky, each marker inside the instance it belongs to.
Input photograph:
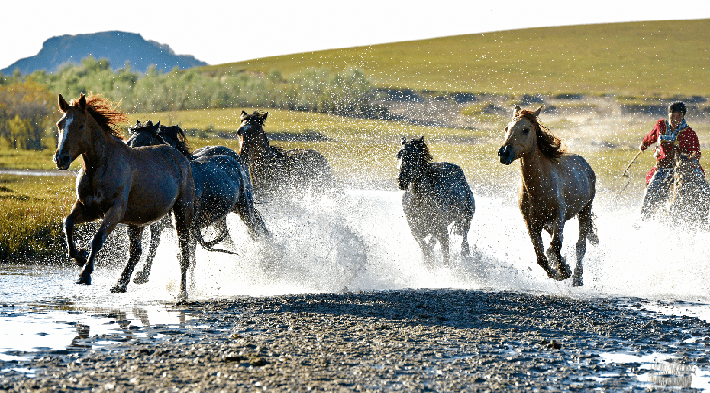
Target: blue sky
(229, 31)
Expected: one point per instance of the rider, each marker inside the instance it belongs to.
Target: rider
(671, 136)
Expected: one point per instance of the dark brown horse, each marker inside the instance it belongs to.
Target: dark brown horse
(121, 185)
(276, 171)
(689, 197)
(222, 186)
(436, 195)
(555, 187)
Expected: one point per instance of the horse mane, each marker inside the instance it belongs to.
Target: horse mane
(180, 138)
(423, 149)
(106, 113)
(550, 145)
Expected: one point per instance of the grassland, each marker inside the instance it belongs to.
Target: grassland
(639, 59)
(634, 62)
(32, 211)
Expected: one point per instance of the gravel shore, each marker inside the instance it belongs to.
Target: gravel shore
(405, 340)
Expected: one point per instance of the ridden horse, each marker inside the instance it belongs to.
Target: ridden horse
(121, 185)
(436, 195)
(275, 170)
(222, 186)
(689, 196)
(556, 186)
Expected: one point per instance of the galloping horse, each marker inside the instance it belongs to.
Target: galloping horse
(689, 197)
(121, 185)
(222, 186)
(555, 187)
(436, 195)
(275, 170)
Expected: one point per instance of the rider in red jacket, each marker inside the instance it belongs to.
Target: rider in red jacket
(672, 136)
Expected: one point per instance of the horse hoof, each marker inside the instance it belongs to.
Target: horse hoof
(577, 282)
(182, 297)
(81, 258)
(140, 278)
(84, 279)
(118, 289)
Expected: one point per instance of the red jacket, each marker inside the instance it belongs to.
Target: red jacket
(686, 142)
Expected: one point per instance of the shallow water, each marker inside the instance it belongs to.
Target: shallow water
(359, 241)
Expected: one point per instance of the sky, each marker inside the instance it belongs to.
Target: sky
(230, 31)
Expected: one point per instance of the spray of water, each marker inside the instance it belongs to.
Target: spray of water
(359, 240)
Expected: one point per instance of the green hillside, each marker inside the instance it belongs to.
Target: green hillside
(646, 59)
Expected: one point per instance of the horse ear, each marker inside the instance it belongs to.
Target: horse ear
(243, 115)
(537, 112)
(82, 102)
(517, 111)
(263, 117)
(62, 104)
(158, 125)
(404, 140)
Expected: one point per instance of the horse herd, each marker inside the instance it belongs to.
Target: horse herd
(139, 182)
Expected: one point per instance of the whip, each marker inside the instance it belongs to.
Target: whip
(626, 171)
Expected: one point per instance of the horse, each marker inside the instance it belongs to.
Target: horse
(222, 186)
(274, 170)
(555, 187)
(436, 195)
(689, 196)
(121, 185)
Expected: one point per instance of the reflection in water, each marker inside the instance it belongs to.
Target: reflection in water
(81, 340)
(672, 374)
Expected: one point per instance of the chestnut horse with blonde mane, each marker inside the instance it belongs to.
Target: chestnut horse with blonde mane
(556, 186)
(120, 184)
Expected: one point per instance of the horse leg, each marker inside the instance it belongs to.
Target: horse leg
(464, 226)
(563, 270)
(155, 231)
(184, 216)
(249, 214)
(134, 235)
(77, 216)
(111, 219)
(536, 237)
(585, 230)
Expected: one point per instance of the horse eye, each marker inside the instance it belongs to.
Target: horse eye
(526, 131)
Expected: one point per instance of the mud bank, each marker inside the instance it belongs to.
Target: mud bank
(404, 340)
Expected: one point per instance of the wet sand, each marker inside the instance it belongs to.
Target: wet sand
(404, 340)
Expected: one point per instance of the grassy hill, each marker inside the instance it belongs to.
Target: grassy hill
(638, 59)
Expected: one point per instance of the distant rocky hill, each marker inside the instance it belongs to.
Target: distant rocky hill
(116, 46)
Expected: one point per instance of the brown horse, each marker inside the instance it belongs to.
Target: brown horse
(556, 186)
(689, 197)
(121, 185)
(275, 171)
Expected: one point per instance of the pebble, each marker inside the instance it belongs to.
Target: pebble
(401, 340)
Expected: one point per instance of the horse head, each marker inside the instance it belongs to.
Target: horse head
(175, 137)
(144, 134)
(74, 134)
(525, 134)
(688, 198)
(251, 130)
(412, 159)
(520, 137)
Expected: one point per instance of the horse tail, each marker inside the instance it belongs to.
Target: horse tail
(209, 245)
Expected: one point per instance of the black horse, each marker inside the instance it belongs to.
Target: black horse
(222, 185)
(436, 195)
